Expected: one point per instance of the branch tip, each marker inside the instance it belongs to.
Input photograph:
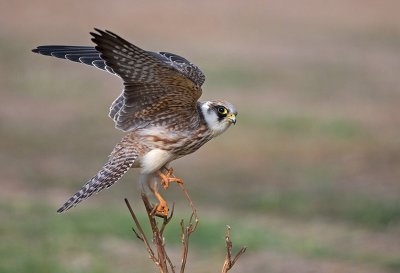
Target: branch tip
(160, 257)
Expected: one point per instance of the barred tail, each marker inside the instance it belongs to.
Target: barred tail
(118, 164)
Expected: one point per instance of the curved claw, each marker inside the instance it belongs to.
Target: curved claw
(166, 179)
(162, 210)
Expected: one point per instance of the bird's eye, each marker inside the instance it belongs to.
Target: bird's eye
(222, 111)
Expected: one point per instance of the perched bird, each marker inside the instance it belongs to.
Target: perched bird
(158, 107)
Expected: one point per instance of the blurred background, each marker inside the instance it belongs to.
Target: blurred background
(308, 179)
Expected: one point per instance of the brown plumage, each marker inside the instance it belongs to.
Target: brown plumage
(158, 107)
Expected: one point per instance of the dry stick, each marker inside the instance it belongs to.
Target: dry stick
(229, 263)
(185, 243)
(167, 220)
(157, 237)
(142, 235)
(186, 193)
(137, 235)
(170, 263)
(194, 211)
(164, 225)
(158, 241)
(186, 232)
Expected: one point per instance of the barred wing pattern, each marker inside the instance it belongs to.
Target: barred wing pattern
(90, 56)
(155, 92)
(80, 54)
(159, 87)
(120, 160)
(181, 64)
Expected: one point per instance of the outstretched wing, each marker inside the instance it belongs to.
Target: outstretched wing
(90, 56)
(159, 88)
(80, 54)
(181, 64)
(120, 160)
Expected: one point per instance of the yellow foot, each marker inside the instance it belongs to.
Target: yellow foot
(162, 210)
(166, 178)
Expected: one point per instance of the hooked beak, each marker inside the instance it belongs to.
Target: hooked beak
(231, 118)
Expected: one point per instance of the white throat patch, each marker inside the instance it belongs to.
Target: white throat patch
(216, 126)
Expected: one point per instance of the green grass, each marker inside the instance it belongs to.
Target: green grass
(394, 265)
(35, 238)
(303, 125)
(330, 204)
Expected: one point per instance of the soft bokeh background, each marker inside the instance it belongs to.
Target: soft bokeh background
(309, 178)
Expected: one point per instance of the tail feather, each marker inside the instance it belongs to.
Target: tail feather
(118, 164)
(116, 106)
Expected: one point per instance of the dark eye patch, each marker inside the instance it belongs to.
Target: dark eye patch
(221, 111)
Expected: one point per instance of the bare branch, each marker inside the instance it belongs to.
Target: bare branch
(167, 220)
(158, 240)
(137, 235)
(194, 211)
(229, 263)
(161, 259)
(142, 235)
(170, 263)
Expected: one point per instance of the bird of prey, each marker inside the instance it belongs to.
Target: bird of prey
(158, 108)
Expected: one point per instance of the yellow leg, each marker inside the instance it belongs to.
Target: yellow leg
(166, 178)
(162, 208)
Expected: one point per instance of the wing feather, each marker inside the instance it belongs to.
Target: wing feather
(80, 54)
(159, 88)
(154, 93)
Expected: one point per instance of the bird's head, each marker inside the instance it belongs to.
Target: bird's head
(219, 115)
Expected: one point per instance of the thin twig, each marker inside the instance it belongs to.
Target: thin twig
(143, 236)
(167, 219)
(137, 235)
(186, 232)
(194, 211)
(162, 260)
(185, 236)
(229, 263)
(191, 204)
(184, 252)
(186, 193)
(157, 237)
(170, 263)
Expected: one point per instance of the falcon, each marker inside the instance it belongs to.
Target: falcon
(158, 108)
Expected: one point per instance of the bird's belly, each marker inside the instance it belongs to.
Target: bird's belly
(154, 160)
(165, 146)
